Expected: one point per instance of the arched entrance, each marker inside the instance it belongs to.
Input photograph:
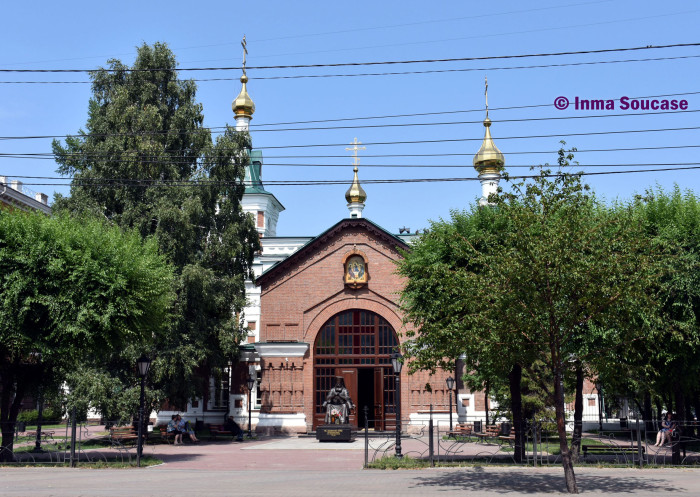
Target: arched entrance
(357, 345)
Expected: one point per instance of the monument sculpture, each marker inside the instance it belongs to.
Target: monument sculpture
(338, 406)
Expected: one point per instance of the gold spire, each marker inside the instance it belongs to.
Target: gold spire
(243, 105)
(355, 193)
(488, 159)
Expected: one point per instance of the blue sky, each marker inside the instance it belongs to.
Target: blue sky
(86, 34)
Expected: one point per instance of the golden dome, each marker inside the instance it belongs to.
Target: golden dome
(488, 158)
(243, 105)
(355, 193)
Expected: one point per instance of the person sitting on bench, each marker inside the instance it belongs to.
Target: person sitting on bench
(186, 427)
(175, 430)
(665, 431)
(232, 426)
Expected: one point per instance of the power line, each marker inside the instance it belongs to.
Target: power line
(400, 73)
(144, 158)
(51, 156)
(208, 183)
(366, 63)
(388, 116)
(450, 140)
(422, 22)
(401, 166)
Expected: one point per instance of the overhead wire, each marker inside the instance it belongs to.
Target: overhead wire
(367, 63)
(213, 129)
(398, 73)
(104, 182)
(443, 140)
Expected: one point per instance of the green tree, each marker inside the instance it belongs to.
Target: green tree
(72, 291)
(662, 365)
(527, 292)
(145, 161)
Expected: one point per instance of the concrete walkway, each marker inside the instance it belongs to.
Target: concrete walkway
(303, 467)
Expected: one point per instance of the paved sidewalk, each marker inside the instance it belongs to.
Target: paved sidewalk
(304, 467)
(476, 482)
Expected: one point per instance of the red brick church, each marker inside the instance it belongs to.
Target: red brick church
(327, 306)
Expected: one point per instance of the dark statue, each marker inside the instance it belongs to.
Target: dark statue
(338, 404)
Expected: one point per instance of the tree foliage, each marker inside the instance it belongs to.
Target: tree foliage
(664, 363)
(143, 138)
(523, 282)
(72, 291)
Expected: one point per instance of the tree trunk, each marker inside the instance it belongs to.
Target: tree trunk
(647, 414)
(486, 403)
(668, 401)
(10, 402)
(659, 410)
(696, 405)
(680, 411)
(578, 414)
(514, 380)
(569, 475)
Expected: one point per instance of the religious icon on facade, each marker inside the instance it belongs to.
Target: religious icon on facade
(355, 271)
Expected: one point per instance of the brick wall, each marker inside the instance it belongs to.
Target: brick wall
(302, 295)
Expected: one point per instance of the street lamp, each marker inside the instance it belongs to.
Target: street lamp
(396, 364)
(599, 389)
(251, 384)
(450, 385)
(143, 363)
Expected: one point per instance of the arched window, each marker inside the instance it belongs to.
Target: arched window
(356, 337)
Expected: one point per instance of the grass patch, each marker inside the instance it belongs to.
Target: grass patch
(145, 462)
(393, 462)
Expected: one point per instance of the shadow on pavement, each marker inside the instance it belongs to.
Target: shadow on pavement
(476, 479)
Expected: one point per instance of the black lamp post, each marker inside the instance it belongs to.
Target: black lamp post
(450, 385)
(599, 389)
(251, 384)
(397, 365)
(143, 363)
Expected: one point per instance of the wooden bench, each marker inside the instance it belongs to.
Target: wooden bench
(461, 430)
(493, 433)
(45, 435)
(611, 450)
(216, 430)
(122, 435)
(169, 437)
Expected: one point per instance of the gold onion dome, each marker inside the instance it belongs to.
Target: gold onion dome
(355, 193)
(488, 158)
(243, 105)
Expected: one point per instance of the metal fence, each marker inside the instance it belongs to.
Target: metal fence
(632, 443)
(71, 444)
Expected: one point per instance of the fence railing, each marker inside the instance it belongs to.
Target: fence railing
(633, 443)
(66, 444)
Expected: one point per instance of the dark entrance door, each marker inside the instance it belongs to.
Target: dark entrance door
(365, 396)
(357, 345)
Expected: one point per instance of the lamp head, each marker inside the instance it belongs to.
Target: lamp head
(396, 363)
(143, 364)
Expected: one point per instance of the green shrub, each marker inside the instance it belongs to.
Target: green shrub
(50, 416)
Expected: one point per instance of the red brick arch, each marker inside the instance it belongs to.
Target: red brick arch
(385, 310)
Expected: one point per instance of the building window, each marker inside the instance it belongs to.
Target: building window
(221, 389)
(252, 325)
(261, 219)
(258, 390)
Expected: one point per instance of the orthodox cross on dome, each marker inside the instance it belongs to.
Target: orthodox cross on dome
(354, 149)
(244, 44)
(486, 94)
